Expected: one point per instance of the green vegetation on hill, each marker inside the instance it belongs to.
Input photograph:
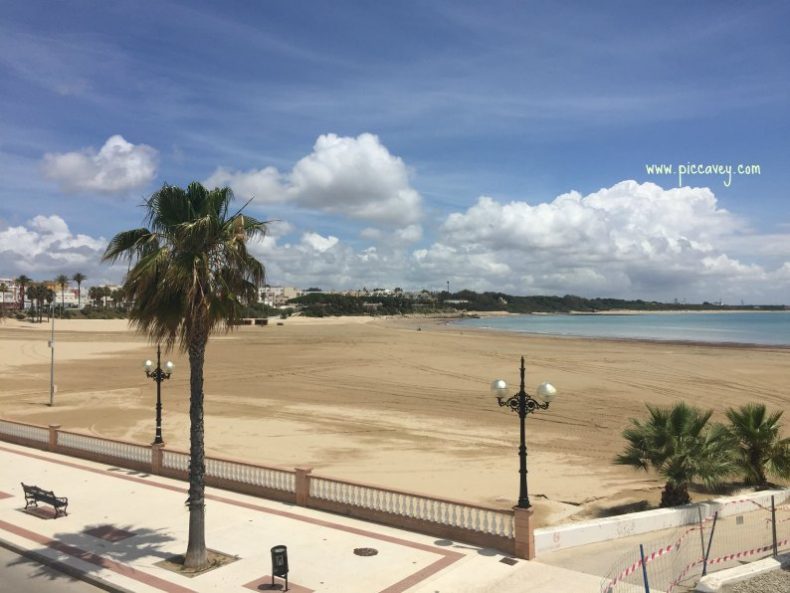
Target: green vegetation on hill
(319, 304)
(327, 304)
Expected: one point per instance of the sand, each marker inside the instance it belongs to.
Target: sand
(377, 401)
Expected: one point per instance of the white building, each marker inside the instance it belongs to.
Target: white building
(277, 296)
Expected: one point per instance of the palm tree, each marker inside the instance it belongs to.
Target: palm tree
(79, 278)
(191, 275)
(680, 445)
(38, 294)
(62, 280)
(23, 281)
(760, 449)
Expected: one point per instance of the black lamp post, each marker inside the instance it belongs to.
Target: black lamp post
(158, 375)
(524, 404)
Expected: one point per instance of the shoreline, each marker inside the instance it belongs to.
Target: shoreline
(458, 324)
(68, 326)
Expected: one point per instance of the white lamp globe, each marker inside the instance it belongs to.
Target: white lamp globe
(499, 388)
(169, 367)
(547, 392)
(149, 365)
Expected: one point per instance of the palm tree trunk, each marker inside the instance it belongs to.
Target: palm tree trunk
(674, 495)
(196, 556)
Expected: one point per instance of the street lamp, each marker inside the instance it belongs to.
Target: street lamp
(524, 404)
(158, 374)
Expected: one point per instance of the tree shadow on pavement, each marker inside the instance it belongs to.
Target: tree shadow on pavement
(115, 544)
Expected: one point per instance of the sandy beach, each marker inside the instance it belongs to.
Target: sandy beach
(402, 403)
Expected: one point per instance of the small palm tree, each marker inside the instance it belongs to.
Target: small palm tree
(23, 281)
(62, 280)
(191, 275)
(760, 449)
(79, 278)
(680, 445)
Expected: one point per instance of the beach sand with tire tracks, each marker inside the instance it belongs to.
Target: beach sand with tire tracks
(400, 403)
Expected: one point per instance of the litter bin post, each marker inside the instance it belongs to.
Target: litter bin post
(280, 564)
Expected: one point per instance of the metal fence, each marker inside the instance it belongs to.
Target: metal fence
(720, 540)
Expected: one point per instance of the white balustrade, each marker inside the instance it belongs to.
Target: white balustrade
(454, 514)
(127, 451)
(231, 471)
(23, 431)
(175, 460)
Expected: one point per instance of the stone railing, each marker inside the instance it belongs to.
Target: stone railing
(101, 449)
(487, 526)
(510, 531)
(16, 432)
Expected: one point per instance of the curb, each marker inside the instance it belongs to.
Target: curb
(713, 583)
(64, 568)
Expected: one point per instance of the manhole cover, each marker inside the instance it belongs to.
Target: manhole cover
(510, 561)
(365, 551)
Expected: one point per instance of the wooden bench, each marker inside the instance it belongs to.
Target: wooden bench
(34, 495)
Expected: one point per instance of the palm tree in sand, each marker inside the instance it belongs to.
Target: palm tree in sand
(760, 449)
(681, 446)
(79, 278)
(191, 275)
(23, 281)
(62, 280)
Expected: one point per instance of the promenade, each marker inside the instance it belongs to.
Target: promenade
(122, 525)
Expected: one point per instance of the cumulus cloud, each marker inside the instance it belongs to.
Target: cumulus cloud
(318, 243)
(630, 241)
(626, 222)
(409, 234)
(355, 177)
(118, 166)
(46, 247)
(265, 185)
(636, 240)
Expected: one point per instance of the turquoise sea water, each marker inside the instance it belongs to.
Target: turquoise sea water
(746, 328)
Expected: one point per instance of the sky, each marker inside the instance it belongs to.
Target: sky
(496, 146)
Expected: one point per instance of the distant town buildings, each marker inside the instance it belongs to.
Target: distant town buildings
(277, 296)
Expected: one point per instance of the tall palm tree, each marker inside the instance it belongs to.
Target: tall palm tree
(62, 280)
(760, 449)
(38, 294)
(191, 276)
(23, 281)
(680, 445)
(79, 278)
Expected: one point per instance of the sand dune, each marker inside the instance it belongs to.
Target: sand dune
(380, 402)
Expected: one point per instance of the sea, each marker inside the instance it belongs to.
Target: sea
(766, 328)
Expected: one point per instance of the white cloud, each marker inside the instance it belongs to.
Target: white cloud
(628, 221)
(117, 167)
(633, 240)
(357, 177)
(46, 247)
(409, 234)
(318, 243)
(354, 177)
(628, 241)
(264, 185)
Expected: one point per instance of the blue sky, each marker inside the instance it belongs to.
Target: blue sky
(411, 143)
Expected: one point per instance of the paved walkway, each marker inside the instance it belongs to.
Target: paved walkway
(122, 523)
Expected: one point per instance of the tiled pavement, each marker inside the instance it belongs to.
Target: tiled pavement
(121, 524)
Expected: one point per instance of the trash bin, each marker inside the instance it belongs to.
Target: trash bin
(280, 564)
